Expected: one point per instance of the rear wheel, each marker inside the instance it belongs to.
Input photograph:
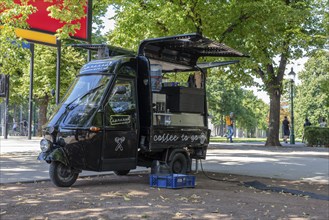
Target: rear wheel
(121, 172)
(178, 163)
(62, 175)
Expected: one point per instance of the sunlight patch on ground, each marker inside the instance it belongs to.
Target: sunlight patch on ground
(17, 169)
(242, 159)
(266, 152)
(319, 179)
(67, 212)
(289, 163)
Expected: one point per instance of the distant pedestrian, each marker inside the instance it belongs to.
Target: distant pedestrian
(286, 129)
(307, 123)
(15, 126)
(24, 124)
(323, 123)
(230, 124)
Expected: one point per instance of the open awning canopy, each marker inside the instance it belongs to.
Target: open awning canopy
(181, 52)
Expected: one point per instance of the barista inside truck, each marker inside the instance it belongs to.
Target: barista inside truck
(195, 80)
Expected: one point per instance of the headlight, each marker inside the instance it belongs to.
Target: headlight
(45, 145)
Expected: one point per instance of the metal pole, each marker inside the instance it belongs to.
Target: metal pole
(29, 124)
(1, 128)
(6, 118)
(58, 70)
(89, 56)
(34, 119)
(89, 28)
(20, 118)
(196, 166)
(292, 134)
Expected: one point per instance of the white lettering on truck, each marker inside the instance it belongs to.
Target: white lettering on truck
(164, 138)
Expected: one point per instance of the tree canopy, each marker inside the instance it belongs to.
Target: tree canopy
(224, 97)
(272, 32)
(312, 95)
(14, 59)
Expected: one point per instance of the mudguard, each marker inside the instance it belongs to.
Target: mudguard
(55, 155)
(174, 151)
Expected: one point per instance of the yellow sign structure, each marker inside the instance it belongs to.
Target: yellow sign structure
(36, 36)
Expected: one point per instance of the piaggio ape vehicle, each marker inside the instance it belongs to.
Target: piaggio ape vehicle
(120, 113)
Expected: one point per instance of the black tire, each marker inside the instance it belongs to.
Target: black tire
(178, 163)
(121, 172)
(61, 175)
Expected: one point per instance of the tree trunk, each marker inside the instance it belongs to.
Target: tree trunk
(274, 119)
(222, 125)
(273, 83)
(43, 106)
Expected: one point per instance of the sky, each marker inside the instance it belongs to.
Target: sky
(297, 65)
(109, 24)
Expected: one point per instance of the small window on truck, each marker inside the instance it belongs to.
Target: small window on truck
(121, 107)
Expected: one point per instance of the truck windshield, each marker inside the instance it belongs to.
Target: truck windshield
(84, 85)
(84, 98)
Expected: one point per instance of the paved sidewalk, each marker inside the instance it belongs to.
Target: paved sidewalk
(291, 162)
(18, 161)
(19, 144)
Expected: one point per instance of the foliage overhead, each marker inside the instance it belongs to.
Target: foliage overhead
(272, 32)
(45, 70)
(14, 59)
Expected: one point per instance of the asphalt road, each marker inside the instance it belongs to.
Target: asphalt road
(18, 161)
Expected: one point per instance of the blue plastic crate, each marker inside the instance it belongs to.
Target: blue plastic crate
(174, 181)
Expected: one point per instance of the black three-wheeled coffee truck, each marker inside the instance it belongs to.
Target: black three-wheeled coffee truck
(120, 113)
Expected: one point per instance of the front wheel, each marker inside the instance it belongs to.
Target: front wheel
(62, 175)
(121, 172)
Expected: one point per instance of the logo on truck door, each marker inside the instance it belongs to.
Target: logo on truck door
(119, 141)
(120, 119)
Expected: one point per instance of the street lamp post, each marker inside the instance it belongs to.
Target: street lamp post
(292, 75)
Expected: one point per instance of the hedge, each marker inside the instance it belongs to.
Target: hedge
(316, 136)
